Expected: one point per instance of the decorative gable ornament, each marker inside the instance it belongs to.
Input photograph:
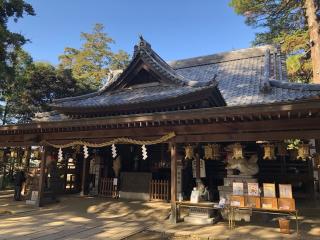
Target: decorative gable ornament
(237, 151)
(269, 152)
(303, 152)
(189, 153)
(114, 151)
(144, 152)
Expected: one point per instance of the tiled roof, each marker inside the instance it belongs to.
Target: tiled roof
(132, 96)
(170, 86)
(244, 77)
(240, 73)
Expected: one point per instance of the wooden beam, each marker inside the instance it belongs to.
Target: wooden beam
(299, 128)
(216, 112)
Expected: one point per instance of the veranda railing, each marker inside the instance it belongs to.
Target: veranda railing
(159, 190)
(108, 188)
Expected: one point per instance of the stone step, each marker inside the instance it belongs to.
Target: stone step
(199, 220)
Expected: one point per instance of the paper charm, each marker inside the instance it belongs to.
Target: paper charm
(85, 151)
(144, 152)
(114, 151)
(60, 155)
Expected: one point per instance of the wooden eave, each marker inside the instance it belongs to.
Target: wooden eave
(297, 110)
(211, 94)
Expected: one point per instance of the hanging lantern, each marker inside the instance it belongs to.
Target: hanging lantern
(316, 159)
(216, 153)
(114, 151)
(268, 152)
(85, 151)
(35, 154)
(208, 153)
(14, 154)
(303, 151)
(282, 150)
(25, 154)
(237, 151)
(211, 151)
(60, 155)
(144, 152)
(189, 154)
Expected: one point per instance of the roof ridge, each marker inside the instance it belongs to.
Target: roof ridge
(80, 97)
(225, 56)
(295, 86)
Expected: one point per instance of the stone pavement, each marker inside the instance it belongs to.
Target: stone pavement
(78, 217)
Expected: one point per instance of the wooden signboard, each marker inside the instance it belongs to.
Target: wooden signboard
(285, 190)
(237, 201)
(253, 189)
(202, 168)
(179, 180)
(252, 202)
(269, 203)
(237, 188)
(269, 190)
(286, 204)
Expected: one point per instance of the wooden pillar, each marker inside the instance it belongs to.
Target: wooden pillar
(42, 177)
(317, 145)
(174, 215)
(197, 159)
(84, 177)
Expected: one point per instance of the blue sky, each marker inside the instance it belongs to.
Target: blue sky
(176, 29)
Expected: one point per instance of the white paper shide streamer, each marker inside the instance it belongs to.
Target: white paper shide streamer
(144, 152)
(85, 151)
(114, 151)
(60, 155)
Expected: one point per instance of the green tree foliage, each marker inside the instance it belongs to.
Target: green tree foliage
(34, 87)
(41, 83)
(10, 42)
(10, 49)
(282, 22)
(91, 64)
(15, 86)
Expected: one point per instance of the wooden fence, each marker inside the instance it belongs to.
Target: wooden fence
(159, 190)
(107, 188)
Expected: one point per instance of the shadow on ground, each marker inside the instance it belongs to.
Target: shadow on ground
(76, 217)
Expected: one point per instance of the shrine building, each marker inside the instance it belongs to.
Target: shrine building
(157, 129)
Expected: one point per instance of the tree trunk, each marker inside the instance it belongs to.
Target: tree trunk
(311, 7)
(5, 112)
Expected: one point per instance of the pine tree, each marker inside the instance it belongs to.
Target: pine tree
(292, 23)
(91, 64)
